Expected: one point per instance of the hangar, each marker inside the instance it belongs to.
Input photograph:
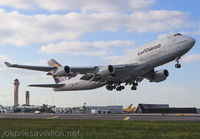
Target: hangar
(163, 108)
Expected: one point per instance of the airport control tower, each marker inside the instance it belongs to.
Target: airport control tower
(27, 98)
(16, 88)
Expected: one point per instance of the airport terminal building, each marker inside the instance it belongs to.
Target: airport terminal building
(113, 109)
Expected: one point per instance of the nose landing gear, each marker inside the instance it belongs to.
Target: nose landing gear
(177, 65)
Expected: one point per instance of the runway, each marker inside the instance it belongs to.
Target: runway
(150, 117)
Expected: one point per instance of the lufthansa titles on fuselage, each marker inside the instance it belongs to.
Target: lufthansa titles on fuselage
(149, 49)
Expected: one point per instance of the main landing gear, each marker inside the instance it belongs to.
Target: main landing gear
(111, 86)
(119, 88)
(177, 65)
(134, 87)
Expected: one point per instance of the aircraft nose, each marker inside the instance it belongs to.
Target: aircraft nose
(193, 41)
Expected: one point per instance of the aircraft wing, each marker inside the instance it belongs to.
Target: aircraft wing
(77, 70)
(125, 66)
(84, 70)
(96, 69)
(47, 85)
(81, 70)
(38, 68)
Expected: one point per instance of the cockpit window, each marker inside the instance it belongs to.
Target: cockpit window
(178, 34)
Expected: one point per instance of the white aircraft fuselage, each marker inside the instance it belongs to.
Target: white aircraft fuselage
(149, 56)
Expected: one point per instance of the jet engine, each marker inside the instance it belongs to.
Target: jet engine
(106, 70)
(63, 71)
(159, 76)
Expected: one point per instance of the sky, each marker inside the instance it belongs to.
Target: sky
(88, 33)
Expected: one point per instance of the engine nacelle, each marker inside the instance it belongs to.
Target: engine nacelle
(63, 71)
(159, 76)
(106, 70)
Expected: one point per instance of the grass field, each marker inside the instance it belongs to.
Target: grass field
(63, 129)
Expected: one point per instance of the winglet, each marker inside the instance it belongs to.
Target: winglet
(8, 64)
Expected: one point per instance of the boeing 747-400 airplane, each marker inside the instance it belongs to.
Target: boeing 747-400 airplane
(129, 70)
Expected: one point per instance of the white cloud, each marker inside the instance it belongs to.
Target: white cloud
(192, 58)
(196, 32)
(4, 58)
(82, 5)
(91, 5)
(156, 21)
(112, 58)
(109, 44)
(20, 30)
(96, 48)
(18, 4)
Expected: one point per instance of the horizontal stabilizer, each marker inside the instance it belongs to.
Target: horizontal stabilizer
(47, 85)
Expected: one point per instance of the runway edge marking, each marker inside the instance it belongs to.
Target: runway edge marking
(126, 118)
(54, 117)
